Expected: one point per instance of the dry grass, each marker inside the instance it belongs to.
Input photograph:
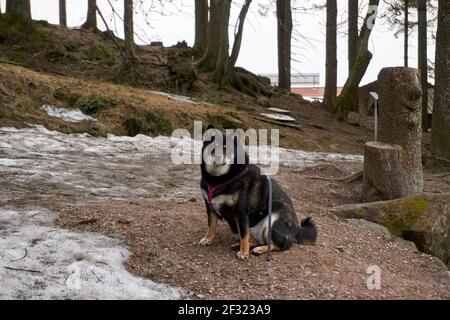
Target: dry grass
(24, 91)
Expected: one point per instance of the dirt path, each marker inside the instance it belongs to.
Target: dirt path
(128, 188)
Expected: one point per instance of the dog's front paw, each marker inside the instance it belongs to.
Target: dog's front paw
(259, 250)
(205, 242)
(242, 255)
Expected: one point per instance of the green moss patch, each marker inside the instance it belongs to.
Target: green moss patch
(97, 52)
(88, 104)
(403, 213)
(225, 121)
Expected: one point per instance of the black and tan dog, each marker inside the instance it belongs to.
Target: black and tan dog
(238, 193)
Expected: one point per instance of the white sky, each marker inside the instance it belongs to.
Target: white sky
(259, 50)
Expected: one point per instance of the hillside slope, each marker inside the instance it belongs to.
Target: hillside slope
(81, 69)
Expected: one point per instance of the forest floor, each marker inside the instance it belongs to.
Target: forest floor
(65, 184)
(129, 189)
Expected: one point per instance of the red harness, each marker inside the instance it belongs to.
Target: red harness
(214, 187)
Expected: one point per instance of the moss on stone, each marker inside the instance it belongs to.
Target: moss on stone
(401, 214)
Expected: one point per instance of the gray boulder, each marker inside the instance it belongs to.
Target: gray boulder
(423, 220)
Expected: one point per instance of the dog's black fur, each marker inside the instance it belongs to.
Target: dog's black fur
(242, 201)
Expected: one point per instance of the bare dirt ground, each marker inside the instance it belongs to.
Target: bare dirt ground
(131, 190)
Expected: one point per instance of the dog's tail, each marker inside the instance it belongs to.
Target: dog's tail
(307, 232)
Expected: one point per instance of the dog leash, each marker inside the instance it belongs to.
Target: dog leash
(269, 227)
(269, 239)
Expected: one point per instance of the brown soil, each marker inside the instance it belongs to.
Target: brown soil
(163, 231)
(163, 236)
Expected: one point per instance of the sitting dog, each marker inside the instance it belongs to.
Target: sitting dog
(238, 192)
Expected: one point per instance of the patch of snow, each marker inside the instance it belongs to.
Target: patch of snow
(279, 117)
(178, 98)
(120, 167)
(74, 115)
(278, 110)
(40, 261)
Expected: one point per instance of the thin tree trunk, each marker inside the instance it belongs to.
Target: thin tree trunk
(423, 59)
(239, 34)
(91, 19)
(129, 29)
(353, 14)
(201, 26)
(353, 17)
(285, 26)
(440, 144)
(406, 39)
(62, 13)
(329, 98)
(344, 102)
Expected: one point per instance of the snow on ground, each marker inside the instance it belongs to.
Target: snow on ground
(178, 98)
(113, 166)
(74, 115)
(39, 261)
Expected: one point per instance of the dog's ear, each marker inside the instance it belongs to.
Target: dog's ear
(210, 126)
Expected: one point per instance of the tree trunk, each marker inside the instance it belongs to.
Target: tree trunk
(329, 98)
(284, 26)
(423, 59)
(62, 13)
(400, 121)
(440, 144)
(129, 30)
(8, 7)
(353, 17)
(345, 102)
(238, 36)
(20, 8)
(91, 19)
(383, 172)
(201, 26)
(223, 54)
(209, 61)
(406, 38)
(353, 14)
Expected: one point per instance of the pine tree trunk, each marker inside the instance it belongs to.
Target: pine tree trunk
(345, 102)
(238, 36)
(440, 144)
(406, 39)
(423, 59)
(223, 54)
(400, 121)
(129, 30)
(20, 8)
(91, 19)
(285, 26)
(353, 17)
(329, 98)
(62, 13)
(209, 61)
(8, 7)
(353, 14)
(201, 26)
